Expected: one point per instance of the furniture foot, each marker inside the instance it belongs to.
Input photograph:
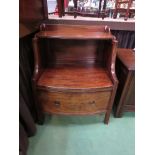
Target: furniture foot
(115, 16)
(103, 15)
(125, 18)
(106, 118)
(41, 119)
(117, 115)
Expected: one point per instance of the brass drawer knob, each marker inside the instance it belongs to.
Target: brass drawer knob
(57, 103)
(92, 102)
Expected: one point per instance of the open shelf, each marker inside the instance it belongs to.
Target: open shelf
(75, 78)
(74, 72)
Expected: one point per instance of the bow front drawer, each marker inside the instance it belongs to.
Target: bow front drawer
(74, 103)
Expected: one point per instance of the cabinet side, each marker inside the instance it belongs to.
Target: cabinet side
(37, 60)
(111, 59)
(36, 74)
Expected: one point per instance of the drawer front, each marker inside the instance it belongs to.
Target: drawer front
(73, 103)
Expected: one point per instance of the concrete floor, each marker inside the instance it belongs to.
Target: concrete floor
(84, 136)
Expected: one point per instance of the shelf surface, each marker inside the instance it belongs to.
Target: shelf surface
(75, 78)
(75, 32)
(127, 57)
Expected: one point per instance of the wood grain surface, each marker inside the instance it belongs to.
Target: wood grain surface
(75, 78)
(74, 103)
(127, 57)
(125, 70)
(75, 69)
(75, 32)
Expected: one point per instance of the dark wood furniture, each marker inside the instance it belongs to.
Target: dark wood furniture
(76, 12)
(125, 71)
(119, 9)
(74, 70)
(29, 20)
(61, 9)
(33, 12)
(99, 13)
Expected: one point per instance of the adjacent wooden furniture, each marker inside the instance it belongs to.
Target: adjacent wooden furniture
(32, 11)
(125, 71)
(100, 13)
(74, 70)
(119, 8)
(61, 9)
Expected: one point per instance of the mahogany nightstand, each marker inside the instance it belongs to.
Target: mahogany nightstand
(125, 71)
(74, 70)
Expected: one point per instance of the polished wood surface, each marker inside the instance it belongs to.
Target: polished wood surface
(125, 70)
(32, 11)
(75, 32)
(75, 52)
(74, 103)
(31, 14)
(127, 57)
(75, 78)
(70, 34)
(76, 70)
